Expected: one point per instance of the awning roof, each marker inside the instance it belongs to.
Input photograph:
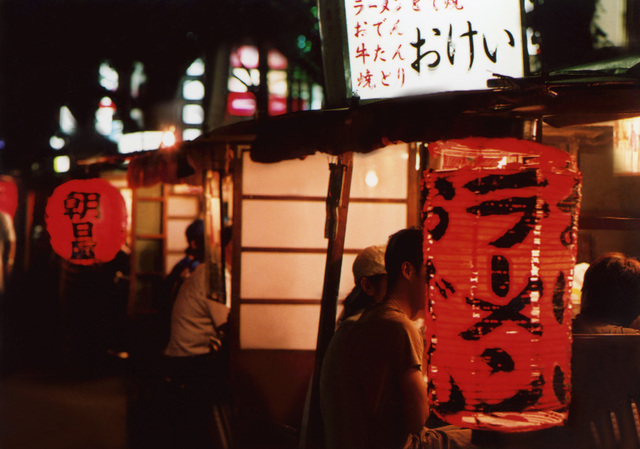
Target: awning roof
(365, 127)
(561, 99)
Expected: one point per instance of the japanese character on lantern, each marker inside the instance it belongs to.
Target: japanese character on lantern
(83, 243)
(80, 203)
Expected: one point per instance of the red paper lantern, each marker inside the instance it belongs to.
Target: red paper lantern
(8, 196)
(87, 221)
(500, 247)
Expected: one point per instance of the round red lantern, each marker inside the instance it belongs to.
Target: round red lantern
(87, 221)
(500, 247)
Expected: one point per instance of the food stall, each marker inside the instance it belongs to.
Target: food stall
(311, 189)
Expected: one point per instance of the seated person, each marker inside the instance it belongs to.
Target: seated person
(370, 277)
(610, 297)
(373, 392)
(195, 363)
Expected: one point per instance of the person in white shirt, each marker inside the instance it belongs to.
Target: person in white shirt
(195, 362)
(195, 318)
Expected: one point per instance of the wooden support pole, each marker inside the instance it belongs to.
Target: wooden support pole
(311, 435)
(337, 75)
(214, 254)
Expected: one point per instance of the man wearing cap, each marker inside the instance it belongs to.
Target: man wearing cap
(370, 278)
(373, 393)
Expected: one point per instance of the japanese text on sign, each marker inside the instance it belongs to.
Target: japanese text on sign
(401, 47)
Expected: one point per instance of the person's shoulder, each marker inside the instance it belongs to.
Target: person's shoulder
(180, 265)
(384, 317)
(194, 284)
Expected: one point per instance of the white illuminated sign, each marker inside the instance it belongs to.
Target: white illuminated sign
(140, 141)
(406, 47)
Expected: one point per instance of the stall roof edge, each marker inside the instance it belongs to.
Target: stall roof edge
(364, 127)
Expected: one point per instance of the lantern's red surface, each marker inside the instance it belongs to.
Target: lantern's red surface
(8, 196)
(87, 221)
(500, 246)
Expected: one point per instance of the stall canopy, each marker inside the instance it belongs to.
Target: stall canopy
(580, 95)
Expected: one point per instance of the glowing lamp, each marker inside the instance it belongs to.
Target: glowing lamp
(86, 221)
(500, 247)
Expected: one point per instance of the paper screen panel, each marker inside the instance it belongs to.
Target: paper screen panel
(149, 217)
(308, 177)
(172, 260)
(266, 326)
(289, 276)
(176, 239)
(283, 224)
(381, 173)
(183, 206)
(372, 223)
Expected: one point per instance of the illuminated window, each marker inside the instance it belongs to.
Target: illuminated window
(193, 114)
(117, 127)
(137, 116)
(626, 146)
(61, 164)
(317, 96)
(193, 90)
(249, 78)
(138, 78)
(276, 60)
(242, 104)
(191, 133)
(140, 141)
(67, 121)
(108, 77)
(246, 56)
(57, 143)
(235, 85)
(304, 91)
(104, 116)
(196, 68)
(277, 81)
